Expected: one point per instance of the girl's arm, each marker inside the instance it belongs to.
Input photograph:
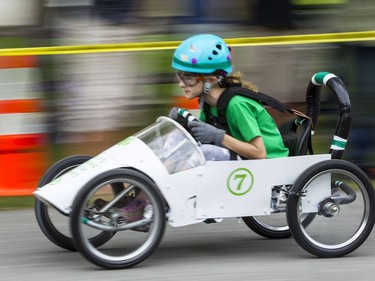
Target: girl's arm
(253, 149)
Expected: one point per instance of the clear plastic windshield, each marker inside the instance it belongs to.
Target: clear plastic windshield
(174, 146)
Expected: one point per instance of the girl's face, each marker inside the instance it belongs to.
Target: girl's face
(191, 83)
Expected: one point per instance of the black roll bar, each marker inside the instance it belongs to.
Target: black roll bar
(345, 113)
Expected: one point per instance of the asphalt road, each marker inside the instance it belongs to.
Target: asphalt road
(223, 251)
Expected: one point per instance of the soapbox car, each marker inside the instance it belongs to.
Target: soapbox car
(119, 202)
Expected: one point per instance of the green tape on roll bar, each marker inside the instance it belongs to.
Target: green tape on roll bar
(338, 143)
(319, 77)
(322, 77)
(168, 45)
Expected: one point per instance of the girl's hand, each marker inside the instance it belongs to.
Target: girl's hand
(206, 133)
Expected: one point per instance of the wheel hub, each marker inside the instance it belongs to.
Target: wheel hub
(327, 208)
(117, 220)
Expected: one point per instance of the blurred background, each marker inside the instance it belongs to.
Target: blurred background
(53, 106)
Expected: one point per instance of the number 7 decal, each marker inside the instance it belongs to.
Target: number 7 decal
(240, 181)
(241, 177)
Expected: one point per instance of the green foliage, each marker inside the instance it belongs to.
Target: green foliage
(17, 202)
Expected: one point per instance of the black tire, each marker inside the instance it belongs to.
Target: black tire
(266, 229)
(273, 227)
(53, 228)
(347, 225)
(127, 248)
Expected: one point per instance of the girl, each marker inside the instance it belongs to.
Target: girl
(204, 66)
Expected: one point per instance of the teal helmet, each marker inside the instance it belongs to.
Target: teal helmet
(203, 53)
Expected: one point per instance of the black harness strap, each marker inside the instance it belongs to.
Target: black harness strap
(265, 100)
(230, 92)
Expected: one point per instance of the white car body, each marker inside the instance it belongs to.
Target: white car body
(212, 189)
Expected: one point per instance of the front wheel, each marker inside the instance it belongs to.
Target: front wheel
(54, 225)
(137, 215)
(342, 197)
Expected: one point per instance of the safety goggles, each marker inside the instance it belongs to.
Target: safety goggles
(188, 78)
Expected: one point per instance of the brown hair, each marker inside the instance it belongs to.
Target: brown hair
(239, 78)
(235, 79)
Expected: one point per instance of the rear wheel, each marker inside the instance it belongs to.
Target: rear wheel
(342, 197)
(273, 226)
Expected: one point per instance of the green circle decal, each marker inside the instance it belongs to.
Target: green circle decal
(240, 181)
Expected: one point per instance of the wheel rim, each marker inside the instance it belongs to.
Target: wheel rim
(339, 234)
(126, 247)
(270, 223)
(276, 224)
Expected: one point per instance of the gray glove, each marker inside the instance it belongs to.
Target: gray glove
(206, 133)
(173, 114)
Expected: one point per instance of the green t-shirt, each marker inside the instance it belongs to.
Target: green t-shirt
(248, 119)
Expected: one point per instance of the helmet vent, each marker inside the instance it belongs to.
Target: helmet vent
(218, 46)
(214, 52)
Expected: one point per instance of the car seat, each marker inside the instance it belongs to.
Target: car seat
(296, 134)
